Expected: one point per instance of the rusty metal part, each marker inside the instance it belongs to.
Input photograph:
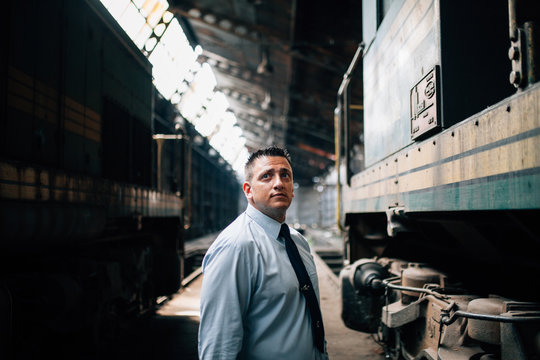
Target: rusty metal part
(515, 54)
(522, 51)
(422, 335)
(531, 34)
(516, 50)
(416, 276)
(512, 20)
(487, 332)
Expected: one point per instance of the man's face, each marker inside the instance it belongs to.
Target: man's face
(270, 189)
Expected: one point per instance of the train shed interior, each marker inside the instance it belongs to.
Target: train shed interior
(414, 132)
(280, 65)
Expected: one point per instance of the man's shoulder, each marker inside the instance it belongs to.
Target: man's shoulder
(234, 241)
(236, 234)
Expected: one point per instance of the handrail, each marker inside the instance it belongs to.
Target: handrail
(341, 118)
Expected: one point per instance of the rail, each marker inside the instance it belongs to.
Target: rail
(341, 118)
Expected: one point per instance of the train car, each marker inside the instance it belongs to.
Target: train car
(194, 170)
(96, 175)
(440, 221)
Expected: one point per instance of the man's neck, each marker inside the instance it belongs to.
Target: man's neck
(275, 214)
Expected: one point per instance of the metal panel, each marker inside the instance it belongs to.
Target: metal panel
(489, 161)
(425, 105)
(414, 38)
(369, 20)
(405, 49)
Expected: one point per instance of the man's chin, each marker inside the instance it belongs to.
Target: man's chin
(281, 203)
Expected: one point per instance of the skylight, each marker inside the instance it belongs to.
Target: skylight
(179, 77)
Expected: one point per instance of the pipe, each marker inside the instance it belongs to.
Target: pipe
(448, 320)
(187, 225)
(347, 132)
(388, 283)
(159, 141)
(531, 34)
(512, 20)
(345, 113)
(337, 144)
(351, 68)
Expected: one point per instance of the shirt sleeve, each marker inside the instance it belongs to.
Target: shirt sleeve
(225, 296)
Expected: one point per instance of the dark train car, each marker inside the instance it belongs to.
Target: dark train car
(93, 197)
(442, 236)
(198, 174)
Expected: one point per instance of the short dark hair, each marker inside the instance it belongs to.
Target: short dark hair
(269, 151)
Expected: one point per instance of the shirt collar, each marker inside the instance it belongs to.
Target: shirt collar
(270, 226)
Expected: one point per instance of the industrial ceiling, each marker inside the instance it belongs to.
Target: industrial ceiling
(280, 63)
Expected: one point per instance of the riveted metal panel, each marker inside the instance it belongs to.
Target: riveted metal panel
(415, 37)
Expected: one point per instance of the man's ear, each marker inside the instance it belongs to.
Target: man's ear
(247, 190)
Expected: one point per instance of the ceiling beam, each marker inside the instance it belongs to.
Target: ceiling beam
(256, 34)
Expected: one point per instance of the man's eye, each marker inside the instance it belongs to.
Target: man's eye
(285, 175)
(265, 176)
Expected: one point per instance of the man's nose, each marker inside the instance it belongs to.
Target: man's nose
(278, 183)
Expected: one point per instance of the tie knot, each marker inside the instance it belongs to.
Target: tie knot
(284, 231)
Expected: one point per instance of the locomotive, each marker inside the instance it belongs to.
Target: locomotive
(441, 186)
(101, 183)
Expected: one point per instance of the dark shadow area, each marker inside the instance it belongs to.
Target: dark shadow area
(156, 337)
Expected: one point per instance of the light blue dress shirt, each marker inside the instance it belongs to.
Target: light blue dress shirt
(251, 307)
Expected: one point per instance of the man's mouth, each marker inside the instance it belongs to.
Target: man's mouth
(279, 195)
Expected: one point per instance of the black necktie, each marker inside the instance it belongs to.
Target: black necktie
(306, 288)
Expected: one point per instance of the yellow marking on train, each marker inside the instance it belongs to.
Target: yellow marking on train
(8, 172)
(9, 191)
(20, 89)
(70, 103)
(92, 115)
(18, 191)
(74, 127)
(497, 161)
(92, 135)
(43, 113)
(92, 124)
(47, 103)
(46, 90)
(36, 98)
(74, 116)
(28, 183)
(20, 76)
(512, 157)
(32, 100)
(20, 103)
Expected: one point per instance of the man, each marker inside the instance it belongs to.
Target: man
(251, 303)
